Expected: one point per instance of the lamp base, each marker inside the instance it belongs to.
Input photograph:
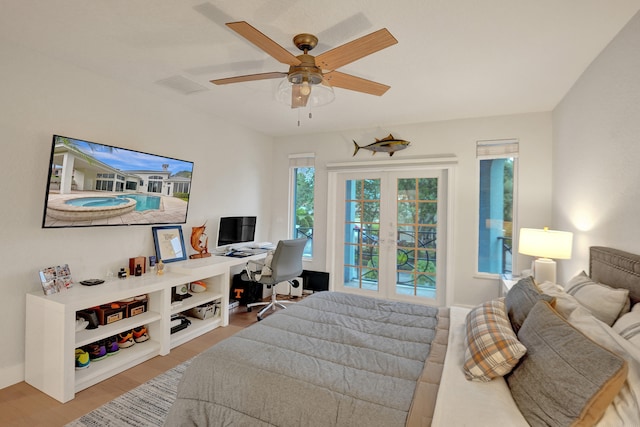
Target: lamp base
(544, 270)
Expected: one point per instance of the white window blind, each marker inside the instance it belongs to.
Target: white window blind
(497, 148)
(302, 160)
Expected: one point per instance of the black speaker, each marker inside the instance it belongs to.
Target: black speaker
(315, 281)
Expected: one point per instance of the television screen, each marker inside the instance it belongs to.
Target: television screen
(236, 229)
(92, 184)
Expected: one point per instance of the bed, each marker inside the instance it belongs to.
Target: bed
(337, 359)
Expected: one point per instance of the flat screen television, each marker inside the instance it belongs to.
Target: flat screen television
(91, 184)
(236, 229)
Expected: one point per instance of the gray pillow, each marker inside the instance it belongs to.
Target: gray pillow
(565, 378)
(604, 302)
(520, 300)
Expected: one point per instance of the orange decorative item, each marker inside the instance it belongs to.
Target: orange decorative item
(199, 242)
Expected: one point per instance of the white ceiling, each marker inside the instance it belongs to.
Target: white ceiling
(454, 58)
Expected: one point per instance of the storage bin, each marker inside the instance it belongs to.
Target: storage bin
(204, 311)
(109, 313)
(134, 308)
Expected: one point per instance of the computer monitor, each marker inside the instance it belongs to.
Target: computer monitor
(233, 230)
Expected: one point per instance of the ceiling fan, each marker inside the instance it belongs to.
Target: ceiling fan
(308, 73)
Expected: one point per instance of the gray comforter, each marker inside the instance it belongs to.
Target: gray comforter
(332, 359)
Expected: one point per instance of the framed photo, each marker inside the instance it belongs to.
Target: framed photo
(169, 243)
(55, 279)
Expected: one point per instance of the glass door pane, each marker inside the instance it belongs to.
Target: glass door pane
(417, 220)
(387, 227)
(362, 234)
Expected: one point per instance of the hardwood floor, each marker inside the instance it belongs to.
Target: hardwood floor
(23, 405)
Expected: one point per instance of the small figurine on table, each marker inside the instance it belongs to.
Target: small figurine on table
(160, 268)
(199, 242)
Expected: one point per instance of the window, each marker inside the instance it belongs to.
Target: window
(497, 166)
(104, 185)
(154, 186)
(302, 195)
(180, 187)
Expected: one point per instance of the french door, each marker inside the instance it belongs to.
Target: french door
(387, 230)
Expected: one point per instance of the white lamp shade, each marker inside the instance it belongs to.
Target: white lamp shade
(545, 243)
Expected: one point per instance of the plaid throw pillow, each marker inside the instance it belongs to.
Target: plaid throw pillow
(492, 348)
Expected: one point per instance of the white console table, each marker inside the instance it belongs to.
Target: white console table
(51, 338)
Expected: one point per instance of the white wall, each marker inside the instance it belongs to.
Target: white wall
(597, 153)
(40, 97)
(451, 137)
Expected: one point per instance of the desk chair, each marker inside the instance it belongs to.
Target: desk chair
(286, 264)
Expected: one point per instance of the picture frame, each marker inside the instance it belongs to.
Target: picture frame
(55, 279)
(169, 243)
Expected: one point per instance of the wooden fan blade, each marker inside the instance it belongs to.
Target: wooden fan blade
(356, 49)
(347, 81)
(248, 78)
(298, 99)
(263, 42)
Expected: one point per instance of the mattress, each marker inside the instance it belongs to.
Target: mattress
(333, 359)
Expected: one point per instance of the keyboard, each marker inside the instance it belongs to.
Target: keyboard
(255, 251)
(265, 245)
(239, 254)
(245, 252)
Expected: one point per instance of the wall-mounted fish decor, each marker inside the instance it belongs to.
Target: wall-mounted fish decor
(386, 145)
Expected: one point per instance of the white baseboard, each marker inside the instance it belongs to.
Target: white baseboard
(11, 375)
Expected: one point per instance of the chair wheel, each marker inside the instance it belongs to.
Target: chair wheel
(259, 318)
(249, 309)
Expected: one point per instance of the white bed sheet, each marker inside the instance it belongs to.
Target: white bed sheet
(471, 403)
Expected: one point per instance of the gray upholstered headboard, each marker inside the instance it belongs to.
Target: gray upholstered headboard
(616, 268)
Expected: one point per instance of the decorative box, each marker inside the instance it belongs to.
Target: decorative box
(134, 308)
(109, 313)
(137, 261)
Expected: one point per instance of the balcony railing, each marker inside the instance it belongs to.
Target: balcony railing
(407, 262)
(307, 232)
(507, 255)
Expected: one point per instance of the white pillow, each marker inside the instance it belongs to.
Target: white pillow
(604, 302)
(565, 303)
(628, 325)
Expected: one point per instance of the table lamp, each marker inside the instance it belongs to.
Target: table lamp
(545, 244)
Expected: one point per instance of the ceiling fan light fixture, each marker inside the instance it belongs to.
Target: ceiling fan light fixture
(321, 95)
(305, 88)
(311, 77)
(317, 94)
